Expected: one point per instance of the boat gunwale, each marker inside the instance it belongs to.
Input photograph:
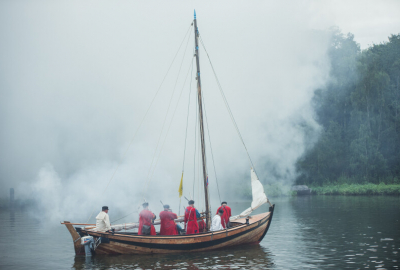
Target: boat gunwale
(172, 237)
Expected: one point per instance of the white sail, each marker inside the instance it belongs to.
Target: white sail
(130, 226)
(259, 197)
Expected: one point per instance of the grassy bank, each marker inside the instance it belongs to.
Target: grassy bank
(357, 189)
(279, 190)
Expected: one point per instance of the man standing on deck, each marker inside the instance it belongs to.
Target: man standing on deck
(168, 226)
(216, 221)
(146, 226)
(200, 221)
(202, 225)
(191, 225)
(227, 214)
(103, 221)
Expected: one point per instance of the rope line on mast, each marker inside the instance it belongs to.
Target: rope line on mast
(227, 105)
(141, 122)
(149, 174)
(195, 149)
(187, 118)
(198, 174)
(201, 124)
(187, 124)
(212, 155)
(169, 127)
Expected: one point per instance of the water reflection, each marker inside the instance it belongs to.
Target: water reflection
(312, 232)
(248, 257)
(12, 219)
(341, 232)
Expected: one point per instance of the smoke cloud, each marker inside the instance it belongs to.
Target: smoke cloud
(76, 79)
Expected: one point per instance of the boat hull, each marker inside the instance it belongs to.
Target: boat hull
(241, 234)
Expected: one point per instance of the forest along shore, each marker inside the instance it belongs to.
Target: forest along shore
(357, 189)
(276, 190)
(368, 189)
(358, 150)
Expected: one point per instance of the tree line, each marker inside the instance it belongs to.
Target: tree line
(359, 112)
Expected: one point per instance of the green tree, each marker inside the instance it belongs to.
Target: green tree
(359, 111)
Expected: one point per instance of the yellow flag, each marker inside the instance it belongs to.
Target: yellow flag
(180, 190)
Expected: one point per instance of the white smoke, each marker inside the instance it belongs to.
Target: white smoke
(76, 79)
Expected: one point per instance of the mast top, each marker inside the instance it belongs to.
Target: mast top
(195, 14)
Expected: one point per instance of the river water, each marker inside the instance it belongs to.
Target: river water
(313, 232)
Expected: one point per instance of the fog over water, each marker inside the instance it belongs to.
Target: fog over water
(76, 79)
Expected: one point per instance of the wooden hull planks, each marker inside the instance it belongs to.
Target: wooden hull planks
(241, 234)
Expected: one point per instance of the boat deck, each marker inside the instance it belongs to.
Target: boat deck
(252, 219)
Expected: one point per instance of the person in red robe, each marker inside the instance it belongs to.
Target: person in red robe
(202, 225)
(227, 214)
(191, 224)
(145, 218)
(168, 226)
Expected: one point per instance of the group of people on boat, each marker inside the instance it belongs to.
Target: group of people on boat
(167, 218)
(221, 220)
(193, 221)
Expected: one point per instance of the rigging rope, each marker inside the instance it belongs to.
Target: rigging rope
(212, 155)
(187, 124)
(162, 147)
(148, 178)
(195, 149)
(125, 216)
(227, 105)
(147, 111)
(198, 172)
(187, 118)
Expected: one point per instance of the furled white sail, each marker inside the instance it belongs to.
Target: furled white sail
(130, 226)
(259, 197)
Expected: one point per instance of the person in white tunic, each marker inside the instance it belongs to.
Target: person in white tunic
(216, 221)
(103, 221)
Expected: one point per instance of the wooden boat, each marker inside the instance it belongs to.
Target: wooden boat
(245, 229)
(241, 233)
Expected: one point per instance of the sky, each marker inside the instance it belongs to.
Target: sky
(370, 21)
(77, 78)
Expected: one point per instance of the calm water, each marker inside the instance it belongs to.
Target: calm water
(321, 232)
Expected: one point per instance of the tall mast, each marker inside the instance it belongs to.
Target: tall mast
(203, 149)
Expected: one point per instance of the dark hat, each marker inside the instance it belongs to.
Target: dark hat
(166, 206)
(191, 202)
(104, 208)
(221, 211)
(224, 203)
(145, 204)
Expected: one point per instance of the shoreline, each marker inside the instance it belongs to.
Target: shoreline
(277, 190)
(358, 189)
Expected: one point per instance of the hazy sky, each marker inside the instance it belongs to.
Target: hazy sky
(76, 78)
(370, 21)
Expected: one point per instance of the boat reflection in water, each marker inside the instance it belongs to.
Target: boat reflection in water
(253, 256)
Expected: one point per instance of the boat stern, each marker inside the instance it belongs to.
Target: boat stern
(79, 249)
